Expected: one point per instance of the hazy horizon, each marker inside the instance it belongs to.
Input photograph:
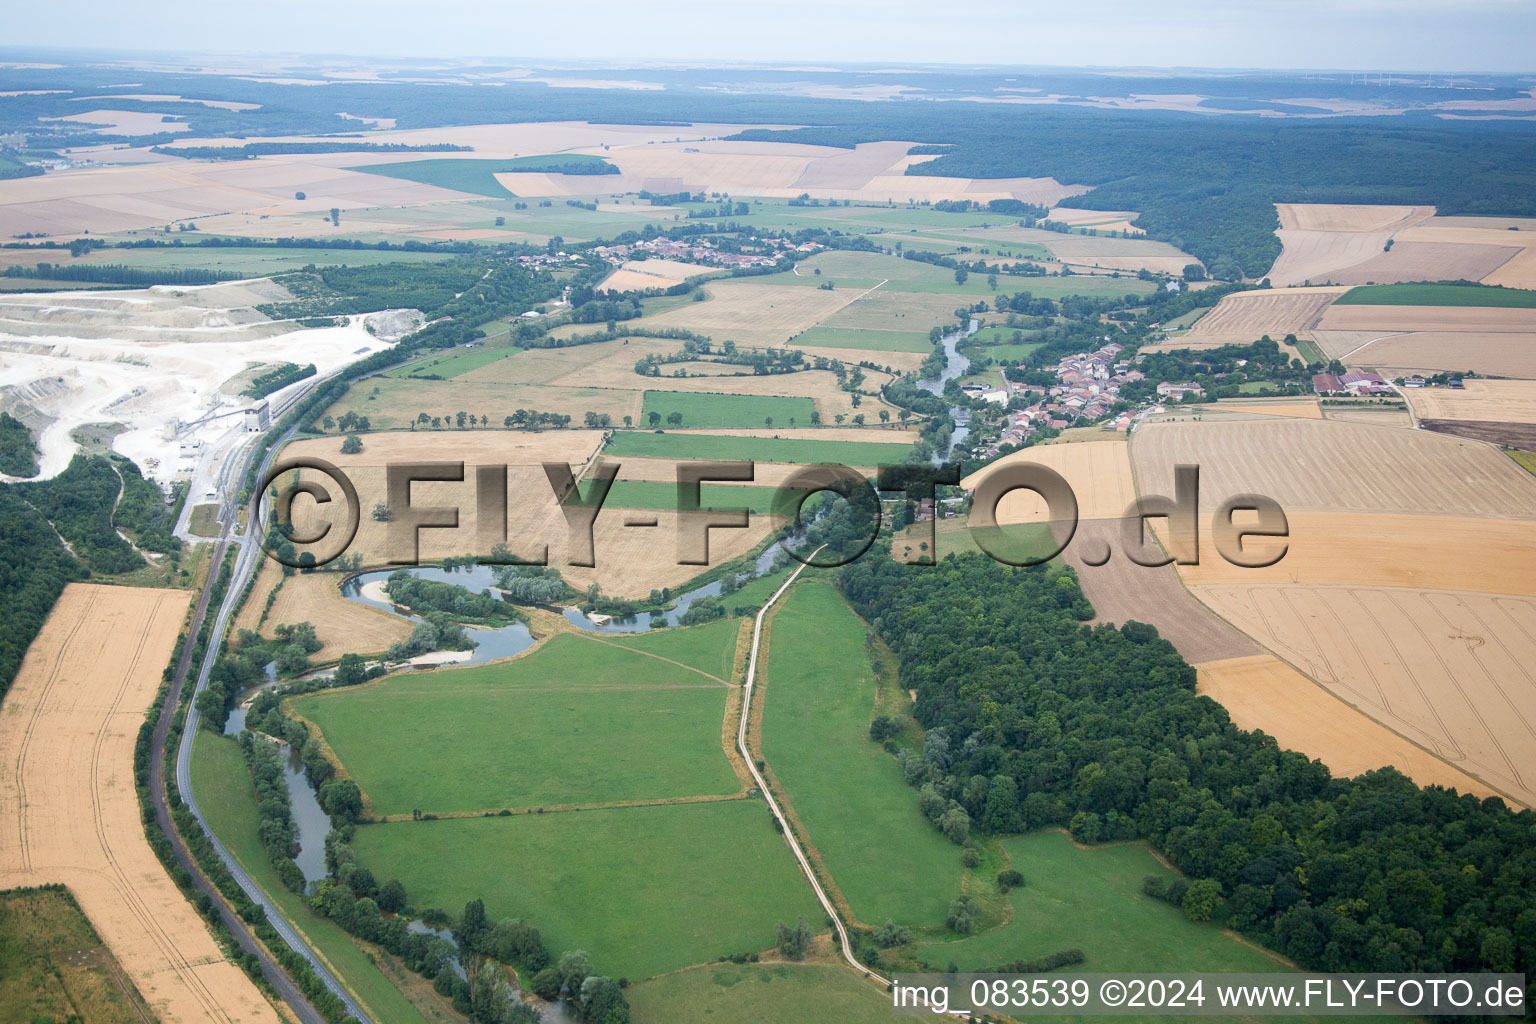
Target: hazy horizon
(1407, 36)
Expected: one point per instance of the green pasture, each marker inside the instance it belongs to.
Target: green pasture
(644, 890)
(576, 721)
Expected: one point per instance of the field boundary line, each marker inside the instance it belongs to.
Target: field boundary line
(518, 812)
(609, 643)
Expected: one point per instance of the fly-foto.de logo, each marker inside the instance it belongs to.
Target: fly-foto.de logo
(1247, 530)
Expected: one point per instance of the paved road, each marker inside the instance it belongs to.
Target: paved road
(247, 561)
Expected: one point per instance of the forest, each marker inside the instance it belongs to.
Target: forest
(82, 507)
(1034, 719)
(18, 452)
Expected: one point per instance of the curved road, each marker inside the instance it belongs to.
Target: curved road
(246, 563)
(773, 805)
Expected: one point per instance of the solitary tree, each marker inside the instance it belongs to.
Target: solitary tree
(654, 418)
(674, 419)
(352, 445)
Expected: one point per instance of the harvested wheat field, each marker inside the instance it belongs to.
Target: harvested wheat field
(1441, 552)
(1120, 590)
(341, 625)
(1453, 671)
(1100, 220)
(68, 725)
(1500, 354)
(123, 198)
(1377, 416)
(1275, 312)
(1263, 692)
(639, 275)
(755, 314)
(630, 560)
(1428, 318)
(401, 400)
(1321, 240)
(1518, 272)
(1329, 465)
(1428, 261)
(602, 377)
(1504, 401)
(1099, 473)
(1302, 409)
(573, 365)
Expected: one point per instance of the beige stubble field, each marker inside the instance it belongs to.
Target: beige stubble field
(69, 724)
(631, 560)
(1405, 593)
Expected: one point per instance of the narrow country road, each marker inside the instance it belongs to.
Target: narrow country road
(773, 804)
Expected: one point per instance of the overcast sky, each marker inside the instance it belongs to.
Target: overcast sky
(1408, 35)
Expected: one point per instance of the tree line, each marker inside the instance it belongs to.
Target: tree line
(1034, 719)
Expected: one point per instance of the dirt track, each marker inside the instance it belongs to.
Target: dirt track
(68, 725)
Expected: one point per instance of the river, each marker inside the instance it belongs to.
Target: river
(955, 367)
(506, 641)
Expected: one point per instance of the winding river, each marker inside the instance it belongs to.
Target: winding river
(955, 367)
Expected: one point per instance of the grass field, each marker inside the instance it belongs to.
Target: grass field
(747, 449)
(574, 876)
(1003, 334)
(475, 176)
(725, 410)
(450, 364)
(573, 722)
(871, 341)
(228, 802)
(759, 994)
(1437, 295)
(1004, 353)
(203, 521)
(54, 967)
(1092, 900)
(659, 494)
(709, 648)
(953, 537)
(848, 793)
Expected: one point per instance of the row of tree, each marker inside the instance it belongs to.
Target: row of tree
(1034, 719)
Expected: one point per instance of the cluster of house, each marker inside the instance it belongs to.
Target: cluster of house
(1089, 385)
(546, 259)
(1356, 382)
(703, 251)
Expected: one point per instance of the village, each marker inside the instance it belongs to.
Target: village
(1088, 390)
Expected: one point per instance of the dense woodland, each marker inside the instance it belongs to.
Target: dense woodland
(1034, 719)
(18, 452)
(53, 532)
